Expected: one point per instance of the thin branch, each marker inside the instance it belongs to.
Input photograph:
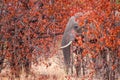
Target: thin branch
(52, 35)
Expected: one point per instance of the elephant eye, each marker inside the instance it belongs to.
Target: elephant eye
(75, 27)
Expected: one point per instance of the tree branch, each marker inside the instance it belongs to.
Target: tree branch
(51, 35)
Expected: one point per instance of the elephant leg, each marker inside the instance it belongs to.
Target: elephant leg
(78, 69)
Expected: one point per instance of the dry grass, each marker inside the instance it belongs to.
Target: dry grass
(51, 69)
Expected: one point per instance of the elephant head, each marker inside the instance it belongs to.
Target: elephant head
(71, 31)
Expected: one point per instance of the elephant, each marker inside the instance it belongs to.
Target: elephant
(71, 31)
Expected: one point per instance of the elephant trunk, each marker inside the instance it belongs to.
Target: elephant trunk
(66, 44)
(66, 54)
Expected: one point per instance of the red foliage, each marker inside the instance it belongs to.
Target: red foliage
(31, 27)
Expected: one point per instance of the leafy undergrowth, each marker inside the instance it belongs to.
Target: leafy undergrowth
(50, 69)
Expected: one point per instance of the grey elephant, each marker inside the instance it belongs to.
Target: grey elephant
(71, 31)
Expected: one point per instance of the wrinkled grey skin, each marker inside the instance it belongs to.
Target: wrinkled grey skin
(72, 29)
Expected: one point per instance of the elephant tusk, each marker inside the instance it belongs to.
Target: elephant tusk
(66, 45)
